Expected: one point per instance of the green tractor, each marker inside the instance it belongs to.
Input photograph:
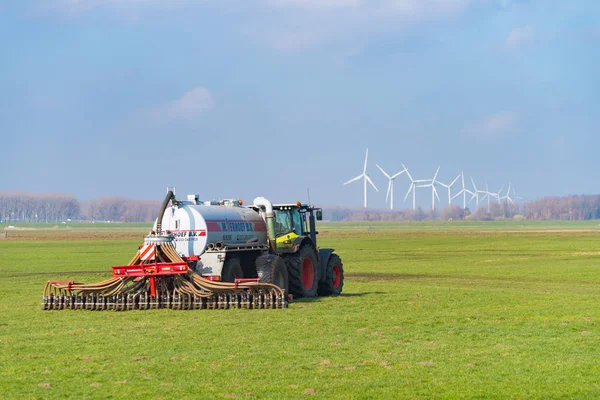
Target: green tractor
(311, 270)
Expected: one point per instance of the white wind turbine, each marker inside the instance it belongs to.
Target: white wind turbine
(496, 195)
(475, 194)
(489, 195)
(431, 184)
(365, 177)
(463, 191)
(449, 187)
(390, 190)
(507, 196)
(411, 187)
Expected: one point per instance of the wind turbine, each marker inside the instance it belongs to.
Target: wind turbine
(431, 184)
(496, 195)
(411, 187)
(507, 196)
(489, 195)
(365, 177)
(449, 187)
(475, 193)
(390, 190)
(463, 191)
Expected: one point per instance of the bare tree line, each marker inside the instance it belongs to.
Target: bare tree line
(573, 208)
(27, 207)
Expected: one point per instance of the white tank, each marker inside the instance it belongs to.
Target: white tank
(194, 226)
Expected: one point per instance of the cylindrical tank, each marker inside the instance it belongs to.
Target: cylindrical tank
(195, 226)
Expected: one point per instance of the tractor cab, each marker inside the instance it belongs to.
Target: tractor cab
(293, 221)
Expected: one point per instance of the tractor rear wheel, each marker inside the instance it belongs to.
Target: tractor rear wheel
(334, 278)
(304, 272)
(232, 269)
(272, 269)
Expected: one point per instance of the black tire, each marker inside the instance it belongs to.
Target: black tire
(302, 267)
(272, 269)
(334, 277)
(231, 269)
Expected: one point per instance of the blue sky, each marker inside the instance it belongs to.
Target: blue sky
(240, 98)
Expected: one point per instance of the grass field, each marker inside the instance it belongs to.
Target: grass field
(432, 310)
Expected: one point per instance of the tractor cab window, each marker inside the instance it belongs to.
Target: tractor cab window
(283, 222)
(298, 222)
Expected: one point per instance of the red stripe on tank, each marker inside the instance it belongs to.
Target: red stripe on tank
(213, 226)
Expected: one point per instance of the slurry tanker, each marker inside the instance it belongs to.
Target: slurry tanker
(215, 254)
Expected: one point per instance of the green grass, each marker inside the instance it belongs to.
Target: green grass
(428, 311)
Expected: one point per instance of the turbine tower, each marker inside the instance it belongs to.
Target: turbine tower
(390, 190)
(411, 187)
(365, 177)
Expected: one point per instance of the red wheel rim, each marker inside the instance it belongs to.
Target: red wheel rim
(337, 276)
(308, 273)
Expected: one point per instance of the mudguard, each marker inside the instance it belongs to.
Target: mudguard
(324, 255)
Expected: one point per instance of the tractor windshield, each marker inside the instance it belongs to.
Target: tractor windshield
(283, 222)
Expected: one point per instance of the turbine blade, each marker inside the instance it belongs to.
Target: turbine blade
(458, 194)
(387, 195)
(473, 182)
(455, 179)
(408, 192)
(385, 173)
(354, 179)
(473, 195)
(436, 173)
(398, 174)
(407, 173)
(366, 157)
(435, 191)
(371, 182)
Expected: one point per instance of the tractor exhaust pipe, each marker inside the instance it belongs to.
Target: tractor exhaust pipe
(267, 206)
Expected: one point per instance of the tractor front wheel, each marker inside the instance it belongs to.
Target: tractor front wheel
(334, 278)
(304, 272)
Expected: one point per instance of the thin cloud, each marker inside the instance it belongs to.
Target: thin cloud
(306, 24)
(519, 36)
(493, 126)
(76, 7)
(314, 3)
(190, 106)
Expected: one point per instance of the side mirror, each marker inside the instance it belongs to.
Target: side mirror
(319, 215)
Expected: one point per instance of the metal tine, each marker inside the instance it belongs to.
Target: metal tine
(90, 302)
(110, 303)
(234, 301)
(79, 302)
(256, 303)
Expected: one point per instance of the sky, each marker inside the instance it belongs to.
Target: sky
(246, 98)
